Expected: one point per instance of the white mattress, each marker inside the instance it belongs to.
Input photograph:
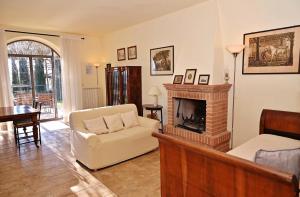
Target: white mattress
(265, 141)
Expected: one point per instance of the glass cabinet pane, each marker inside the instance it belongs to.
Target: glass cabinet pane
(115, 85)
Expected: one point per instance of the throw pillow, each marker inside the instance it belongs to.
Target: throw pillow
(284, 160)
(114, 122)
(96, 125)
(129, 119)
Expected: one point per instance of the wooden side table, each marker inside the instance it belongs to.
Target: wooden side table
(153, 109)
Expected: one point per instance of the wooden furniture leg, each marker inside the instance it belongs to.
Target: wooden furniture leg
(35, 130)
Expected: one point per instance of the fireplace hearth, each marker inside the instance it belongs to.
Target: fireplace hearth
(198, 113)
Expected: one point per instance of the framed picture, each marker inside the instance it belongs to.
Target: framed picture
(89, 69)
(162, 61)
(203, 79)
(273, 51)
(121, 54)
(131, 52)
(189, 77)
(178, 79)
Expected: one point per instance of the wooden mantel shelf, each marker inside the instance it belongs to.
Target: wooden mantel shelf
(198, 88)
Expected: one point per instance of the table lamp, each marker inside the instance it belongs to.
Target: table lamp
(154, 91)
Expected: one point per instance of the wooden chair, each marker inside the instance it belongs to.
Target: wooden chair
(27, 123)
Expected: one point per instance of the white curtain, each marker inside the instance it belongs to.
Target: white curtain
(71, 74)
(6, 98)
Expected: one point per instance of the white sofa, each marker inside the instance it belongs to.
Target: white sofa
(98, 151)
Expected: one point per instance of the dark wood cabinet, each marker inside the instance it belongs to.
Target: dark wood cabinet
(124, 85)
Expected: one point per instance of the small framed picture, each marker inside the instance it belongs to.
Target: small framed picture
(203, 79)
(178, 79)
(189, 77)
(131, 52)
(121, 54)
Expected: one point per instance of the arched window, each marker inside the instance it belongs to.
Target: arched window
(35, 73)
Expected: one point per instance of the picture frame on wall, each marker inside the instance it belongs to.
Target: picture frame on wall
(178, 79)
(121, 54)
(275, 51)
(190, 75)
(162, 61)
(203, 79)
(132, 52)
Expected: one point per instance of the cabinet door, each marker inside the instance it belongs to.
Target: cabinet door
(124, 87)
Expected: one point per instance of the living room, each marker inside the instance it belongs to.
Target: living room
(93, 36)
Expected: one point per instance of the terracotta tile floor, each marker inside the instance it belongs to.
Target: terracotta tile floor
(52, 171)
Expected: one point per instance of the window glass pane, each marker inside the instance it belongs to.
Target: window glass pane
(28, 47)
(19, 72)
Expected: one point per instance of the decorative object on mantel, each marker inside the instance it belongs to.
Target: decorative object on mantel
(154, 91)
(226, 77)
(121, 54)
(274, 51)
(132, 52)
(190, 75)
(178, 79)
(234, 50)
(206, 123)
(162, 61)
(203, 79)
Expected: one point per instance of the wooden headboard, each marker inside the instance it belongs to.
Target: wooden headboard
(281, 123)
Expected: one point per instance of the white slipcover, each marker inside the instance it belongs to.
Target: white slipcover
(98, 151)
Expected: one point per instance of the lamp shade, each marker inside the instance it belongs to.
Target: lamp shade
(97, 65)
(235, 48)
(154, 91)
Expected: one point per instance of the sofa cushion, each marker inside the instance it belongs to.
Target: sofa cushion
(114, 122)
(129, 119)
(77, 117)
(96, 125)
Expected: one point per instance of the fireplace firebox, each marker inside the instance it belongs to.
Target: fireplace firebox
(190, 114)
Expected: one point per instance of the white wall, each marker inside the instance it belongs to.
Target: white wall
(199, 34)
(255, 92)
(193, 32)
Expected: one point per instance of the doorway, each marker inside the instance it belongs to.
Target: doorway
(35, 74)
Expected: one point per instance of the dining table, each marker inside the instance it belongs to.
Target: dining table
(22, 113)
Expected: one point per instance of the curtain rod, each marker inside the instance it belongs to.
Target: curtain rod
(33, 33)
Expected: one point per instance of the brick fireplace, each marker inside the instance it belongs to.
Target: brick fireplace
(212, 130)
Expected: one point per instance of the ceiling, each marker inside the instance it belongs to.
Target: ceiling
(90, 17)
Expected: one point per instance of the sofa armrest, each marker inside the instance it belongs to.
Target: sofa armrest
(148, 123)
(84, 138)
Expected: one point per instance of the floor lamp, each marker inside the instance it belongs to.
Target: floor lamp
(97, 66)
(234, 50)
